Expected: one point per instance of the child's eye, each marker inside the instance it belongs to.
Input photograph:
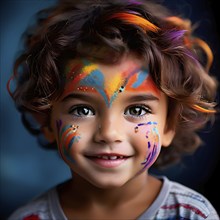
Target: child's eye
(137, 111)
(82, 111)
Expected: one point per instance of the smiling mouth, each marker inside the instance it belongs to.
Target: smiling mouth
(107, 157)
(108, 161)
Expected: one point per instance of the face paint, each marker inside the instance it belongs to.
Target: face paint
(152, 142)
(85, 76)
(67, 136)
(141, 82)
(77, 71)
(92, 79)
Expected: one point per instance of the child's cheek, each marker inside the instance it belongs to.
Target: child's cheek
(150, 141)
(67, 136)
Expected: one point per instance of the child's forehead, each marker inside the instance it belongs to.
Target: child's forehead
(78, 65)
(129, 74)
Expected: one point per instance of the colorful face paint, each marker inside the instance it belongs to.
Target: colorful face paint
(86, 76)
(67, 136)
(92, 79)
(152, 142)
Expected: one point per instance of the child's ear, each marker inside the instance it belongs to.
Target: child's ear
(48, 134)
(168, 136)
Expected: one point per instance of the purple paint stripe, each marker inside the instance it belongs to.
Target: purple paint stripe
(150, 157)
(148, 123)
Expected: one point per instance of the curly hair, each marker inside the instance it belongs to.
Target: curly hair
(103, 31)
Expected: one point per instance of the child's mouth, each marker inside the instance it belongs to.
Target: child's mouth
(108, 161)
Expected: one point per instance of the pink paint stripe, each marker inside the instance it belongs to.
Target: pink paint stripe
(186, 206)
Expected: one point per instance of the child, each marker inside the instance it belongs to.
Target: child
(114, 84)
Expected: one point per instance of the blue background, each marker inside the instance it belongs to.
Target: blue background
(27, 170)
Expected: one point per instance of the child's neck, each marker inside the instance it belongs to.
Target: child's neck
(78, 195)
(109, 195)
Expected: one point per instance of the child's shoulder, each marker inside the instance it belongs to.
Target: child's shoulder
(38, 208)
(186, 203)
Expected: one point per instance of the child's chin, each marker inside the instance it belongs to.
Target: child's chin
(108, 184)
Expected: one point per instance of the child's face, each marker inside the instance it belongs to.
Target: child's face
(110, 122)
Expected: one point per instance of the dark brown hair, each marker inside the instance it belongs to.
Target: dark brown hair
(103, 31)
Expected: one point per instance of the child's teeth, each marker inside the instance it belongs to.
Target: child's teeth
(114, 157)
(108, 157)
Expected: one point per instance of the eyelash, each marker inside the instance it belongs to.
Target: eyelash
(80, 108)
(147, 110)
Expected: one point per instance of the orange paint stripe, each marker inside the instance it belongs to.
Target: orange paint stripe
(148, 85)
(65, 134)
(69, 139)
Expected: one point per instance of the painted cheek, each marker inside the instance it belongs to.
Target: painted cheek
(152, 141)
(67, 136)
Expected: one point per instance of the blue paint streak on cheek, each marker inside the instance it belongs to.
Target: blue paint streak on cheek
(96, 80)
(74, 139)
(148, 144)
(142, 75)
(67, 155)
(156, 131)
(67, 152)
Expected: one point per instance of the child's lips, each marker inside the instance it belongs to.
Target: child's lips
(108, 160)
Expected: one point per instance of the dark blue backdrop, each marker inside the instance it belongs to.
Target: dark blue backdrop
(27, 170)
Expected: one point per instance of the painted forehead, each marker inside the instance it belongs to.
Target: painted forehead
(84, 75)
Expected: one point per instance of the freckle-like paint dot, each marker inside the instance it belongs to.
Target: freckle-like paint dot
(148, 144)
(121, 89)
(147, 134)
(136, 129)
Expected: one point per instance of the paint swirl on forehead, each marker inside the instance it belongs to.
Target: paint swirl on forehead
(86, 76)
(141, 81)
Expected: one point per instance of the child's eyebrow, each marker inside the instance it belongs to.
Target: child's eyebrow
(144, 97)
(76, 96)
(134, 98)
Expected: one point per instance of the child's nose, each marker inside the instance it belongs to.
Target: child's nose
(109, 130)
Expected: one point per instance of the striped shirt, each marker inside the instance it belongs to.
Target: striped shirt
(174, 202)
